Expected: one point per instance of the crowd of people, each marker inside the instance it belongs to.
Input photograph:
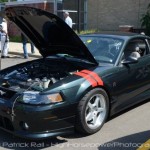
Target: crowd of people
(25, 40)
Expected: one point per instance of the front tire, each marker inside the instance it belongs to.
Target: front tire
(92, 111)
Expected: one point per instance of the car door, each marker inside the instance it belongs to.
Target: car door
(133, 84)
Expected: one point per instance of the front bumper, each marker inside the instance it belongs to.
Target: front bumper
(36, 122)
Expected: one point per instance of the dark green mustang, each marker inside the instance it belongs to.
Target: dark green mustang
(79, 82)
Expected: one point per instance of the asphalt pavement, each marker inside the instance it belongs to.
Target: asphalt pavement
(127, 130)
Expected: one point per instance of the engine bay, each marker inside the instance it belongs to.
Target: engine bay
(37, 75)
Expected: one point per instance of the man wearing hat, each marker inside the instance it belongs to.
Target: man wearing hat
(4, 39)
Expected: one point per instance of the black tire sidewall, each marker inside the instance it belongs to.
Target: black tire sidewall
(85, 102)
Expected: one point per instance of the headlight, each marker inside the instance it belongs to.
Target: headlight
(31, 97)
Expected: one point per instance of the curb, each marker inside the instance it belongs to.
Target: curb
(21, 54)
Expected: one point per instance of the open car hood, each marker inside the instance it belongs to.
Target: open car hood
(49, 33)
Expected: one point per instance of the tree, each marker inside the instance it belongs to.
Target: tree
(145, 20)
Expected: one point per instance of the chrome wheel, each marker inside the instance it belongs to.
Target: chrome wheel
(95, 111)
(92, 112)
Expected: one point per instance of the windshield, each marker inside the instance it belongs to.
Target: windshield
(104, 49)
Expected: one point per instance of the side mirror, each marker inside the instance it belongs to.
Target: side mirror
(130, 60)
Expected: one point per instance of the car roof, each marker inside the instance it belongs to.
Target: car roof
(117, 34)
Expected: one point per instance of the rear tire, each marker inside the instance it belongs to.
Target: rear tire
(92, 111)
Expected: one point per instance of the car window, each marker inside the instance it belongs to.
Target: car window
(143, 47)
(104, 49)
(137, 48)
(149, 42)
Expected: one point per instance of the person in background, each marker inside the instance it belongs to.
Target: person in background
(24, 42)
(68, 20)
(4, 39)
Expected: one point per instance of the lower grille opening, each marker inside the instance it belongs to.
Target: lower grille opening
(1, 122)
(6, 123)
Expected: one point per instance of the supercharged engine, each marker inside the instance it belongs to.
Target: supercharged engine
(36, 76)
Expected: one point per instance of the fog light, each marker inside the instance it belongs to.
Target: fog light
(24, 125)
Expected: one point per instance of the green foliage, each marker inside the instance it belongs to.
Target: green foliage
(2, 1)
(145, 20)
(15, 39)
(87, 31)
